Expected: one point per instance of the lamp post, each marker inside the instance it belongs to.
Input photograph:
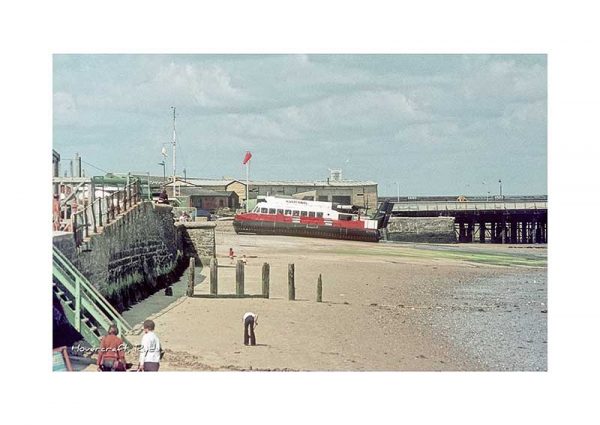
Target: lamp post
(500, 182)
(397, 191)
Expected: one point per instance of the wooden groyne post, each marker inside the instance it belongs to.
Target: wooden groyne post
(266, 271)
(291, 284)
(191, 277)
(214, 267)
(319, 289)
(239, 278)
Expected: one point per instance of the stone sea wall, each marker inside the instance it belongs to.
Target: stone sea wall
(132, 256)
(197, 239)
(140, 252)
(421, 229)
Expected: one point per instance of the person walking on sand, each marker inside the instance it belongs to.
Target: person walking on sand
(231, 255)
(111, 357)
(250, 322)
(244, 259)
(150, 349)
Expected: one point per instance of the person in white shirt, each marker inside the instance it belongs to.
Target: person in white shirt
(150, 349)
(250, 322)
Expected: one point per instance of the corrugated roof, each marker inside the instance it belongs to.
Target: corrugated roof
(311, 183)
(315, 183)
(200, 191)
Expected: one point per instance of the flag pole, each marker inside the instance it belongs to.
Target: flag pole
(247, 191)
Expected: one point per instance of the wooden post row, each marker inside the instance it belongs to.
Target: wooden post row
(191, 277)
(319, 290)
(239, 278)
(214, 267)
(266, 271)
(291, 284)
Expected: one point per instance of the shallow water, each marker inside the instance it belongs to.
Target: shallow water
(500, 322)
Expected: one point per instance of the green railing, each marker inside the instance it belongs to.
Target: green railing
(85, 308)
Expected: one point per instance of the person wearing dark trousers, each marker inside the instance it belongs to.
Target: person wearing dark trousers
(250, 322)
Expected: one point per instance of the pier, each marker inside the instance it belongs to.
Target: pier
(514, 220)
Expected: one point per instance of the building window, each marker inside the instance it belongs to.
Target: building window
(341, 200)
(323, 198)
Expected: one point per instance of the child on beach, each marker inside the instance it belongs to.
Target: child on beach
(150, 352)
(231, 255)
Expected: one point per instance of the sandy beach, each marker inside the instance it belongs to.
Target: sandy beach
(386, 307)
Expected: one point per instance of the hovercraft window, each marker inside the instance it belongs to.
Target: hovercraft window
(271, 210)
(264, 210)
(288, 212)
(303, 213)
(279, 211)
(311, 214)
(296, 213)
(320, 214)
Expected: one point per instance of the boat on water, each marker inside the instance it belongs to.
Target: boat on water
(294, 217)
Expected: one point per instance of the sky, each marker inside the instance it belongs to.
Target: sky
(415, 124)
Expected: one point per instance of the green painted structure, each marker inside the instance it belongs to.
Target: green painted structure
(84, 307)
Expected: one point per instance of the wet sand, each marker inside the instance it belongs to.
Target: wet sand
(386, 307)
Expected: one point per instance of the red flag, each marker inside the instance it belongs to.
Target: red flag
(247, 157)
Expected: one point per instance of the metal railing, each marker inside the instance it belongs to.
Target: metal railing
(103, 211)
(469, 206)
(84, 307)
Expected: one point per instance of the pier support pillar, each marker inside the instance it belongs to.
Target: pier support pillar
(513, 232)
(461, 232)
(470, 231)
(523, 232)
(482, 232)
(545, 232)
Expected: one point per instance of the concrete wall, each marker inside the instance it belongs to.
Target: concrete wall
(133, 256)
(421, 229)
(197, 239)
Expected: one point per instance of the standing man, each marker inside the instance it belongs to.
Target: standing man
(150, 349)
(250, 322)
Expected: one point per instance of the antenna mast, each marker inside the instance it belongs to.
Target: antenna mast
(174, 146)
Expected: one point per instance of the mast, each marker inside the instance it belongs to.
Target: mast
(174, 147)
